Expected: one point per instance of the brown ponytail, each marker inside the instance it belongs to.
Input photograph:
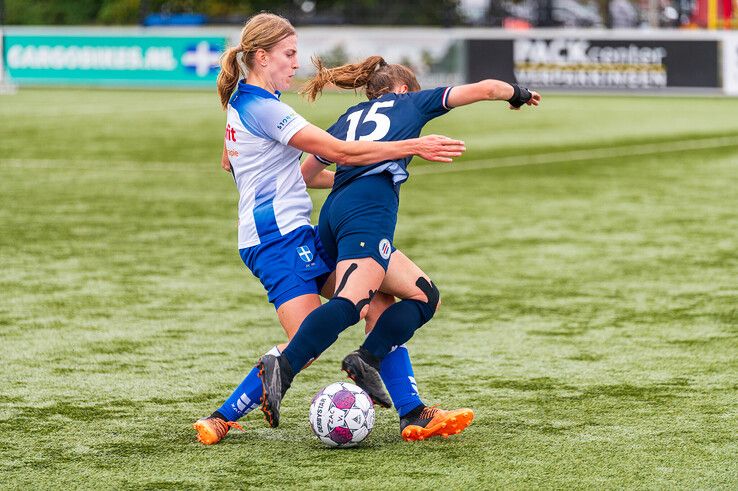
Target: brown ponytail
(228, 76)
(373, 73)
(352, 76)
(262, 31)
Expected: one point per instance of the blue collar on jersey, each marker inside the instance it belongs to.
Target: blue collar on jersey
(255, 89)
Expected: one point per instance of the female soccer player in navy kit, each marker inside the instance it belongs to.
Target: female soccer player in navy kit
(263, 143)
(357, 224)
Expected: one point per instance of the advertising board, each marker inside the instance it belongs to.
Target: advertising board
(113, 60)
(609, 64)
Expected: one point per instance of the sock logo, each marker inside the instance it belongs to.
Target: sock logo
(414, 385)
(244, 403)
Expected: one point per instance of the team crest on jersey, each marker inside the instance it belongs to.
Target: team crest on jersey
(305, 253)
(385, 249)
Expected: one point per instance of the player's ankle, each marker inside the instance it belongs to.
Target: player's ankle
(369, 358)
(415, 412)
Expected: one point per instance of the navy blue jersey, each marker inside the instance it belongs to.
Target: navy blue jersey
(391, 117)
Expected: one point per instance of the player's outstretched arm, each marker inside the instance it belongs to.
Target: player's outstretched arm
(315, 174)
(435, 148)
(492, 90)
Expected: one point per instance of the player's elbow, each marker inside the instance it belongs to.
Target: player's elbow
(309, 181)
(342, 155)
(343, 158)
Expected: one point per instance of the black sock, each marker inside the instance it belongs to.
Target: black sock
(216, 414)
(319, 330)
(415, 412)
(396, 326)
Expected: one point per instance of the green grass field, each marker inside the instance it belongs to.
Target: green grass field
(586, 253)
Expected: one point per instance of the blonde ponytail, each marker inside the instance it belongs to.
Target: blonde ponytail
(228, 76)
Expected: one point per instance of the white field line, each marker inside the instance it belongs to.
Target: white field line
(431, 169)
(578, 155)
(113, 112)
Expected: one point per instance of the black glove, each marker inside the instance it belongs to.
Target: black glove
(520, 96)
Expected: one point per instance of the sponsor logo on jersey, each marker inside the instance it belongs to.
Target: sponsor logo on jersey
(385, 249)
(230, 133)
(286, 120)
(305, 253)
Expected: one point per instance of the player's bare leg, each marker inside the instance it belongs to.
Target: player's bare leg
(378, 305)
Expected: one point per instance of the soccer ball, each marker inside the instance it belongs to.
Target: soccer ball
(341, 415)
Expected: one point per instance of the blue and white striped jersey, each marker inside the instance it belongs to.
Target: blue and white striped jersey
(273, 200)
(391, 117)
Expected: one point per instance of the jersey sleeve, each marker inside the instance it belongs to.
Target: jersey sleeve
(279, 121)
(431, 103)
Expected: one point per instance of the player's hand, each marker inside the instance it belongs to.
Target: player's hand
(437, 148)
(535, 99)
(225, 164)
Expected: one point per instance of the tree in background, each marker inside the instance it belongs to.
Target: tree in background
(53, 12)
(81, 12)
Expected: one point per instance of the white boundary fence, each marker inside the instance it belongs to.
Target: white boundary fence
(730, 64)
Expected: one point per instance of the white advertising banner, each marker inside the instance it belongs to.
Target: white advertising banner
(730, 64)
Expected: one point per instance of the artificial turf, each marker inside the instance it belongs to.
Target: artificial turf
(589, 305)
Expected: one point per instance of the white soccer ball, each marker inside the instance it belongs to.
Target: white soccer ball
(341, 415)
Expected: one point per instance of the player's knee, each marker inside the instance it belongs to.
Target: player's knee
(361, 306)
(432, 298)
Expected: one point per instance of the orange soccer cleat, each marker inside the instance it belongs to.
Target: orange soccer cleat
(432, 421)
(211, 430)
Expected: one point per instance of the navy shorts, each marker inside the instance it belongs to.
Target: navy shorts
(293, 265)
(359, 220)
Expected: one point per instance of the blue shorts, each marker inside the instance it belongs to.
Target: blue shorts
(359, 220)
(293, 265)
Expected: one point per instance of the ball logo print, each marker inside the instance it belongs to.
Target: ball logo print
(341, 415)
(385, 249)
